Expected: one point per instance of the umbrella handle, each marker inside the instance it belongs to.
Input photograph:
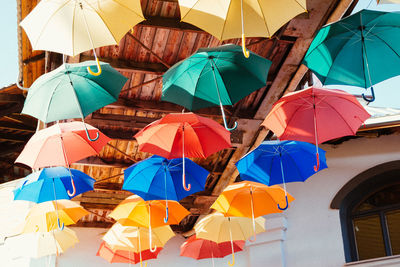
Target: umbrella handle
(184, 183)
(88, 136)
(287, 204)
(372, 94)
(141, 263)
(151, 234)
(166, 215)
(98, 69)
(316, 168)
(246, 52)
(60, 227)
(73, 189)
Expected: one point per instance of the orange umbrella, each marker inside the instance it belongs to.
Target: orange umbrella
(250, 199)
(134, 211)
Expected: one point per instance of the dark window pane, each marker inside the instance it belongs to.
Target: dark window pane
(386, 197)
(369, 240)
(393, 222)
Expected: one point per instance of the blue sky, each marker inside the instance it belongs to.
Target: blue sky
(387, 92)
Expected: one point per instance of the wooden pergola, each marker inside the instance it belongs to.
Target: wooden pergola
(143, 55)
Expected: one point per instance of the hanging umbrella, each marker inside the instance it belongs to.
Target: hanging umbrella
(146, 179)
(36, 245)
(70, 92)
(214, 77)
(43, 217)
(250, 200)
(125, 256)
(53, 183)
(227, 19)
(198, 248)
(388, 1)
(134, 211)
(280, 162)
(360, 50)
(71, 27)
(61, 145)
(183, 134)
(316, 115)
(218, 228)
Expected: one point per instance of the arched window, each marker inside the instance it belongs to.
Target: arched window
(370, 213)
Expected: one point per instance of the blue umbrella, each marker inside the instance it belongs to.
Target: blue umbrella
(277, 162)
(159, 178)
(50, 184)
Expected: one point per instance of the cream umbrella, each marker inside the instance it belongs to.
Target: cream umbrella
(388, 1)
(74, 26)
(227, 19)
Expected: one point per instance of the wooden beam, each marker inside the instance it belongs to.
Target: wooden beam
(10, 125)
(34, 58)
(10, 137)
(101, 162)
(130, 66)
(11, 98)
(170, 23)
(11, 149)
(10, 109)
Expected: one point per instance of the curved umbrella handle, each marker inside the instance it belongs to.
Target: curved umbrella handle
(73, 189)
(88, 136)
(98, 69)
(141, 263)
(372, 94)
(224, 119)
(246, 52)
(184, 183)
(316, 168)
(233, 260)
(287, 204)
(60, 227)
(166, 215)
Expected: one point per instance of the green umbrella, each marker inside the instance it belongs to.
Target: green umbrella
(360, 50)
(71, 92)
(214, 77)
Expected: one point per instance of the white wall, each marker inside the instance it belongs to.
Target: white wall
(308, 234)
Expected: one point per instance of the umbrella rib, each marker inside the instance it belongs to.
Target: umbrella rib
(139, 15)
(51, 97)
(105, 24)
(265, 20)
(297, 167)
(226, 15)
(190, 9)
(291, 118)
(341, 116)
(383, 41)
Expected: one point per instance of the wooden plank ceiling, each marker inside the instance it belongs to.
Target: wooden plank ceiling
(143, 55)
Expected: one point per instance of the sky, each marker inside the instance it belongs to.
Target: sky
(387, 92)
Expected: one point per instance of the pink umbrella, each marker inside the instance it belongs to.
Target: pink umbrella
(316, 115)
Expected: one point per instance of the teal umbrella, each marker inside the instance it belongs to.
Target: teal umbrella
(214, 77)
(360, 50)
(71, 92)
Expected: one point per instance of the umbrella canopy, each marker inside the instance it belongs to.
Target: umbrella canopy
(36, 245)
(227, 19)
(136, 239)
(316, 115)
(186, 134)
(159, 178)
(71, 92)
(71, 27)
(52, 184)
(218, 228)
(360, 50)
(125, 256)
(214, 77)
(388, 1)
(198, 248)
(61, 145)
(280, 162)
(43, 217)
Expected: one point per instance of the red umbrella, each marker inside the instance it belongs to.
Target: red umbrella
(198, 248)
(316, 115)
(183, 134)
(125, 256)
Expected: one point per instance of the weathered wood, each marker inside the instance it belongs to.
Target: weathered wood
(10, 109)
(99, 162)
(11, 137)
(11, 98)
(10, 125)
(170, 23)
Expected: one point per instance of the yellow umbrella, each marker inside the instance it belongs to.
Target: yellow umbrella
(218, 228)
(43, 217)
(36, 245)
(250, 199)
(227, 19)
(74, 26)
(134, 211)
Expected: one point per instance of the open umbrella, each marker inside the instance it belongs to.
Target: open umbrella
(388, 1)
(218, 228)
(280, 162)
(134, 211)
(316, 115)
(360, 50)
(250, 200)
(36, 245)
(43, 217)
(71, 92)
(227, 19)
(51, 184)
(198, 248)
(71, 27)
(158, 178)
(183, 134)
(125, 256)
(214, 77)
(61, 145)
